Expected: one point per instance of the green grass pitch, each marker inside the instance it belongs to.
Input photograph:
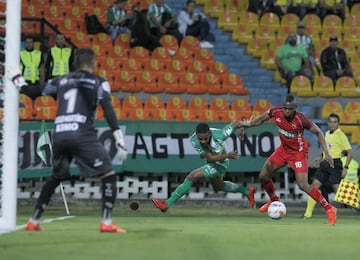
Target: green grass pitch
(185, 233)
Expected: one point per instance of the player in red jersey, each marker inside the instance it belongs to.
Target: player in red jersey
(292, 151)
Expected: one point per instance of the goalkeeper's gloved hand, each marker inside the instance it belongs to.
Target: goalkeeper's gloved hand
(120, 144)
(14, 74)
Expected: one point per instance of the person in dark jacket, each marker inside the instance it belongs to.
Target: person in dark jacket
(334, 61)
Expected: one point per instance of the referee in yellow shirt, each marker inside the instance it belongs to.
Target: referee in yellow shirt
(337, 142)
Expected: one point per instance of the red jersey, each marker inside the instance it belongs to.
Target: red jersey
(291, 133)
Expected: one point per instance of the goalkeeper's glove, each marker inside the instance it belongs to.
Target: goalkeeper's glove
(120, 144)
(14, 74)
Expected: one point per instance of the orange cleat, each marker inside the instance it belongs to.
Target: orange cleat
(331, 215)
(160, 204)
(31, 226)
(250, 196)
(112, 228)
(264, 208)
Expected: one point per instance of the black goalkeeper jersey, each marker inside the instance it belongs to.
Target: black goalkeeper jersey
(78, 94)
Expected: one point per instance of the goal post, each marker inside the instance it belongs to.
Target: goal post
(10, 121)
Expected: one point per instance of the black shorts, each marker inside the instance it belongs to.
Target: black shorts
(90, 156)
(326, 173)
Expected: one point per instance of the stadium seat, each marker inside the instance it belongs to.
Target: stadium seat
(197, 106)
(346, 87)
(324, 87)
(119, 53)
(353, 107)
(256, 47)
(156, 66)
(169, 42)
(243, 32)
(25, 113)
(205, 56)
(155, 114)
(174, 106)
(162, 54)
(355, 136)
(45, 113)
(213, 84)
(270, 19)
(352, 34)
(154, 102)
(177, 67)
(219, 68)
(348, 123)
(169, 81)
(261, 106)
(184, 55)
(148, 82)
(214, 8)
(190, 42)
(133, 66)
(197, 67)
(331, 106)
(301, 86)
(351, 21)
(191, 82)
(219, 104)
(134, 114)
(123, 40)
(234, 84)
(181, 115)
(349, 46)
(267, 59)
(265, 32)
(99, 114)
(312, 21)
(355, 10)
(45, 101)
(327, 32)
(227, 20)
(26, 101)
(141, 54)
(332, 20)
(127, 82)
(129, 104)
(291, 20)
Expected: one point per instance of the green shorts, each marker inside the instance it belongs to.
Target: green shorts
(212, 170)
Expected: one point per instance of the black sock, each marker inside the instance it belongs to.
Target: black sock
(46, 193)
(108, 195)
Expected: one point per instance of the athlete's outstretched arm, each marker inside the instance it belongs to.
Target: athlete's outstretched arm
(251, 123)
(220, 157)
(320, 136)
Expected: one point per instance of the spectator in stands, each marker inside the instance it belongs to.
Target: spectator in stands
(141, 34)
(303, 7)
(163, 21)
(194, 24)
(32, 66)
(305, 40)
(332, 7)
(118, 20)
(280, 7)
(334, 61)
(59, 58)
(292, 59)
(259, 6)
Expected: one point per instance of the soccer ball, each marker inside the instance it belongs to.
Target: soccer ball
(277, 210)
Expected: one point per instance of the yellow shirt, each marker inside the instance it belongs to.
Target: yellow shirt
(336, 143)
(310, 2)
(281, 2)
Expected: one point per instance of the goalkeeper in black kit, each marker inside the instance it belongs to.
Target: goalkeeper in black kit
(78, 94)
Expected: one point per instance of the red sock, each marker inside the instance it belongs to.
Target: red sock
(319, 198)
(270, 190)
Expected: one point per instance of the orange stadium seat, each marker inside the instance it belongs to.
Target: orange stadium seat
(213, 84)
(123, 40)
(198, 68)
(134, 114)
(205, 56)
(234, 84)
(177, 67)
(241, 104)
(25, 114)
(154, 102)
(185, 55)
(119, 52)
(127, 82)
(219, 68)
(169, 42)
(133, 66)
(99, 114)
(175, 104)
(197, 106)
(191, 82)
(161, 53)
(129, 104)
(261, 106)
(140, 54)
(170, 83)
(155, 114)
(220, 108)
(148, 82)
(26, 101)
(190, 42)
(181, 115)
(45, 101)
(45, 113)
(156, 66)
(331, 106)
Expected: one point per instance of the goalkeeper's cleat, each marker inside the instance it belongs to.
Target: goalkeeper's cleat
(112, 228)
(160, 204)
(31, 226)
(331, 215)
(250, 196)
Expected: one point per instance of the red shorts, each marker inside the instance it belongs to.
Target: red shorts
(298, 161)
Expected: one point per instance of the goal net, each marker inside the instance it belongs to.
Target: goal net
(10, 17)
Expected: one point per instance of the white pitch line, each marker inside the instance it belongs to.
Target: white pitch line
(49, 220)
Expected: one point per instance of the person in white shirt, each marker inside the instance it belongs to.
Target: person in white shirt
(194, 24)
